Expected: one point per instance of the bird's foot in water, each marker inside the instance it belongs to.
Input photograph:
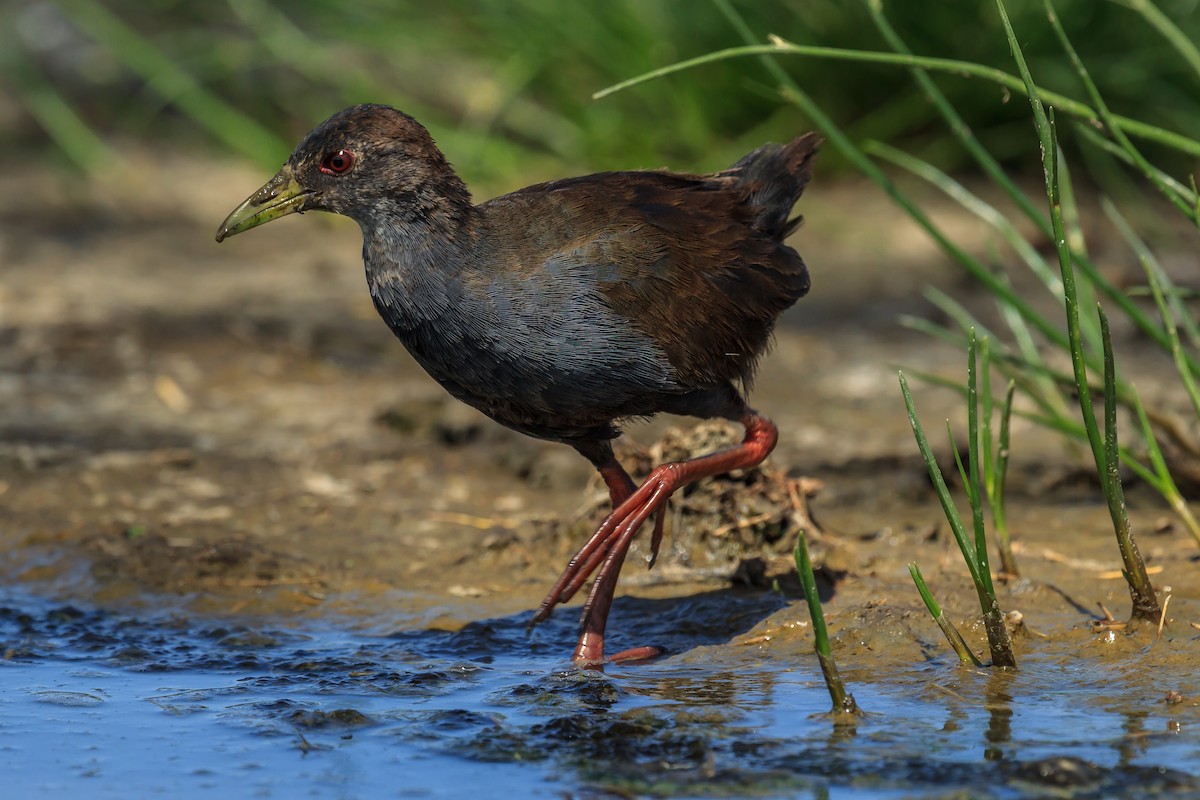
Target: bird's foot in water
(589, 653)
(604, 553)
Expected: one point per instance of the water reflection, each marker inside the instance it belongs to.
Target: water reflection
(998, 701)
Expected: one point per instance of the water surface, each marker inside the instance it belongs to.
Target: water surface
(105, 705)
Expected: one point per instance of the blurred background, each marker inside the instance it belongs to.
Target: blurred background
(506, 87)
(128, 130)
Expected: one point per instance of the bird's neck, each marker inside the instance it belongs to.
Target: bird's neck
(415, 258)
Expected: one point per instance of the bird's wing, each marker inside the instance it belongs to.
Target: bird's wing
(677, 255)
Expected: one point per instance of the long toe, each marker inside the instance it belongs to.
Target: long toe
(637, 655)
(656, 537)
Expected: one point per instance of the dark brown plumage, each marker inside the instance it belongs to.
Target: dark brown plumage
(562, 308)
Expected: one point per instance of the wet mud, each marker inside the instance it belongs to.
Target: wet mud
(234, 511)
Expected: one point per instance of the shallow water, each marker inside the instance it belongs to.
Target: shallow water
(102, 704)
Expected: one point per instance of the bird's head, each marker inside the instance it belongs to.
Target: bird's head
(366, 161)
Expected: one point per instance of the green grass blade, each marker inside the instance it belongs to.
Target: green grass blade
(1154, 276)
(1112, 460)
(1141, 592)
(958, 126)
(931, 329)
(938, 380)
(1005, 228)
(988, 459)
(956, 311)
(68, 130)
(792, 92)
(993, 618)
(990, 166)
(1042, 385)
(973, 455)
(1110, 122)
(963, 69)
(1177, 311)
(1026, 374)
(1140, 318)
(995, 457)
(1069, 427)
(1045, 380)
(1089, 330)
(955, 639)
(1145, 604)
(843, 701)
(1043, 122)
(1008, 559)
(976, 205)
(1071, 218)
(1112, 148)
(1168, 488)
(237, 131)
(1170, 31)
(939, 483)
(963, 476)
(288, 44)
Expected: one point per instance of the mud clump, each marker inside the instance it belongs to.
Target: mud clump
(740, 525)
(314, 719)
(183, 564)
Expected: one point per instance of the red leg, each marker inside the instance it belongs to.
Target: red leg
(604, 553)
(620, 485)
(589, 557)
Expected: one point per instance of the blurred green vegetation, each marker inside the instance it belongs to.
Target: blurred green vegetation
(506, 86)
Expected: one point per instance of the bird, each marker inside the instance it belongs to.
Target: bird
(567, 308)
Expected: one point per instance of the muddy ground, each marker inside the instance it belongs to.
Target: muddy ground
(230, 430)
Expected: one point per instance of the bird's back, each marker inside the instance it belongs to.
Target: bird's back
(697, 263)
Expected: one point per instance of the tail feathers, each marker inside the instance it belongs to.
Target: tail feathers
(775, 176)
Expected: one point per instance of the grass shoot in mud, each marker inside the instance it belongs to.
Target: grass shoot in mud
(844, 708)
(974, 549)
(959, 645)
(1105, 453)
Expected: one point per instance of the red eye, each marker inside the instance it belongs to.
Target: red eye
(337, 162)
